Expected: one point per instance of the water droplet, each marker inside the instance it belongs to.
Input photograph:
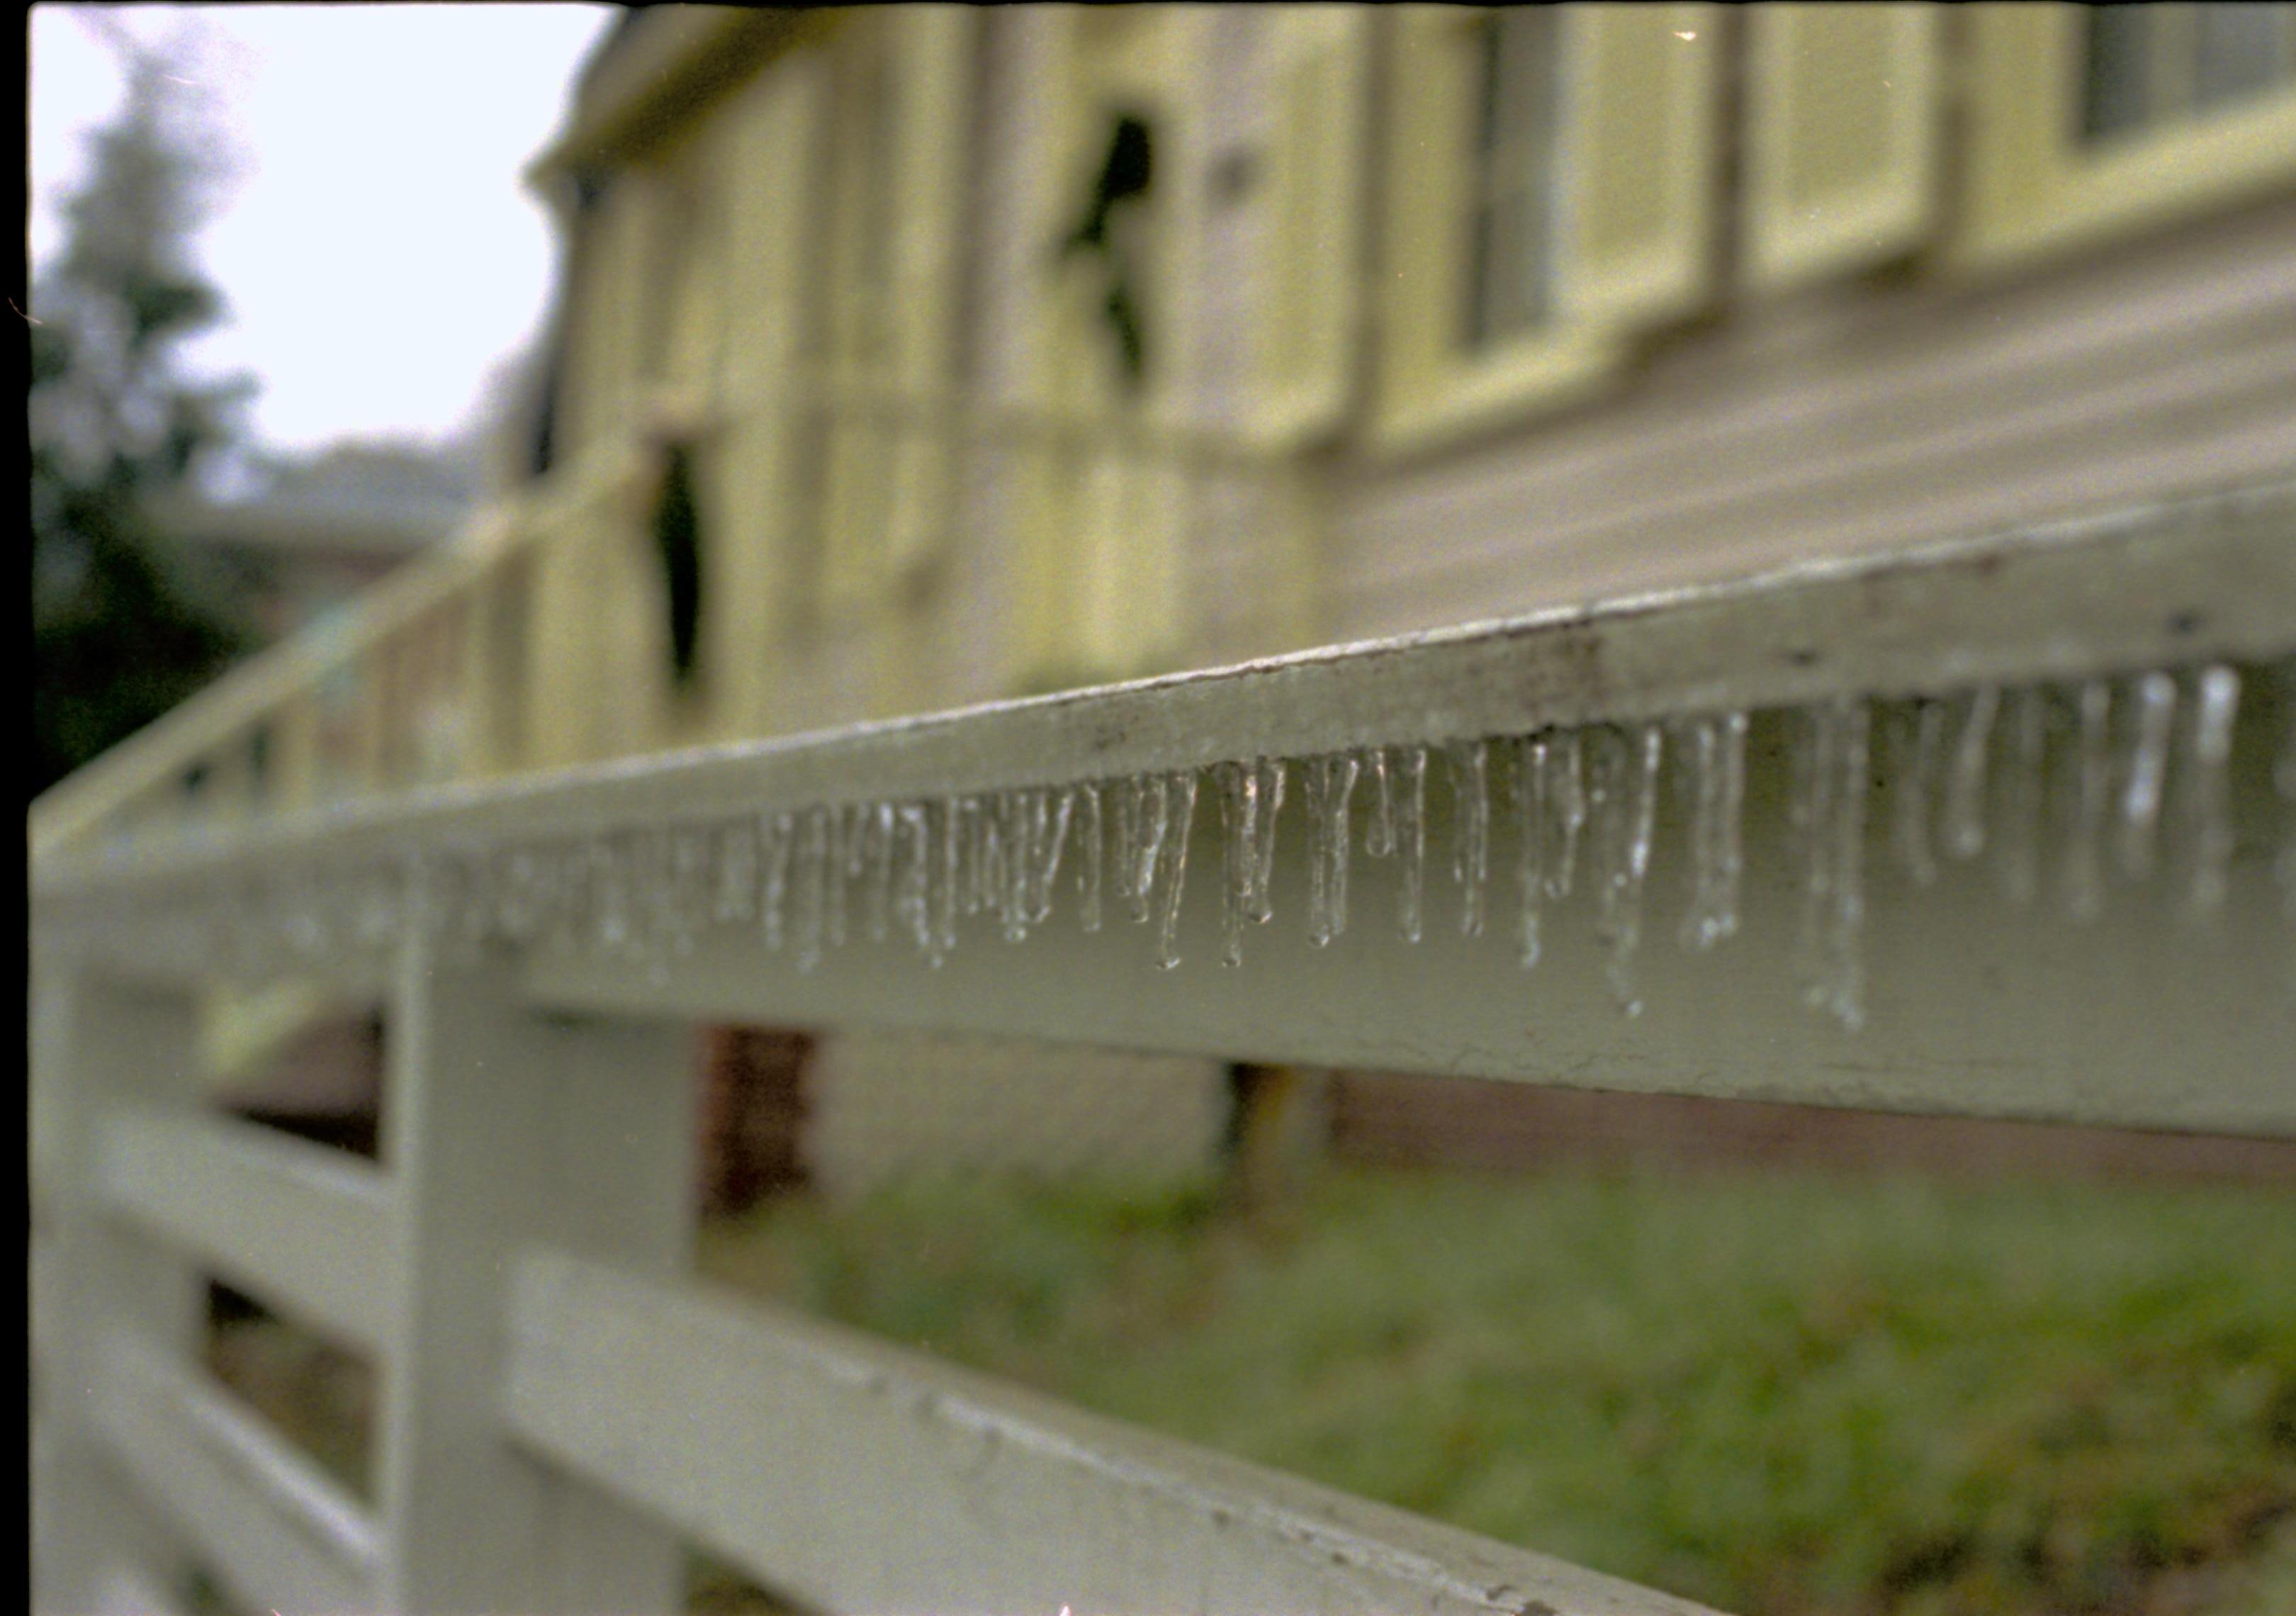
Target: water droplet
(1923, 740)
(1088, 856)
(1175, 811)
(1964, 789)
(1470, 829)
(2142, 790)
(2207, 757)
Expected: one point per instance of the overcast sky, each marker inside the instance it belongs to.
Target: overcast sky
(378, 251)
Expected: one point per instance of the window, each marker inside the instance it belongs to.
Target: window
(1550, 193)
(2148, 67)
(2092, 121)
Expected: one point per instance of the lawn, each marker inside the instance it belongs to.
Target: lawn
(1779, 1394)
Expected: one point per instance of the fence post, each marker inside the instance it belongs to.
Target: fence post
(96, 1042)
(505, 1129)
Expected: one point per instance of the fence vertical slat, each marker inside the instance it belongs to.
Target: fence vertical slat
(97, 1042)
(507, 1130)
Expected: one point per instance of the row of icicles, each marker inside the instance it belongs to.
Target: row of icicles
(1973, 773)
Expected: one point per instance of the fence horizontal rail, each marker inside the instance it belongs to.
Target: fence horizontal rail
(302, 1228)
(2214, 578)
(279, 1533)
(856, 1475)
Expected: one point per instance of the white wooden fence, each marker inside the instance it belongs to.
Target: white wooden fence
(2062, 903)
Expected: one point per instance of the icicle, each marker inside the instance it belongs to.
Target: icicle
(1014, 841)
(778, 839)
(1124, 856)
(524, 896)
(1177, 803)
(814, 880)
(1238, 789)
(1259, 896)
(2023, 790)
(2207, 808)
(2148, 771)
(1411, 841)
(1628, 800)
(910, 836)
(1729, 829)
(1845, 990)
(1088, 856)
(1816, 775)
(974, 838)
(690, 904)
(877, 856)
(1964, 789)
(609, 883)
(1916, 784)
(1530, 822)
(1470, 829)
(1331, 789)
(943, 881)
(1701, 766)
(843, 827)
(736, 886)
(2084, 870)
(2283, 782)
(1154, 822)
(1567, 794)
(1378, 836)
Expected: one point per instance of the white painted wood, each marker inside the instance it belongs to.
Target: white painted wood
(505, 1127)
(96, 1042)
(278, 1532)
(303, 1228)
(125, 1591)
(856, 1475)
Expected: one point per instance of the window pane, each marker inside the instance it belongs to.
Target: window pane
(1511, 219)
(2114, 97)
(2241, 51)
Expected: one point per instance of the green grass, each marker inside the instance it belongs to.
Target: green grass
(1784, 1394)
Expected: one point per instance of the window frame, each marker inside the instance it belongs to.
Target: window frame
(2035, 188)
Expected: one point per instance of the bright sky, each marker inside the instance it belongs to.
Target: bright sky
(378, 251)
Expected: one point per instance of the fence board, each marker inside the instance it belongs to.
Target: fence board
(856, 1475)
(281, 1534)
(304, 1228)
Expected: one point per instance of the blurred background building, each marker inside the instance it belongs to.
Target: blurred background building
(910, 356)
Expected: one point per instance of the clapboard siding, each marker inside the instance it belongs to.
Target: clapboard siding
(1861, 417)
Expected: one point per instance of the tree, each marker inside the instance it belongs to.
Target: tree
(125, 625)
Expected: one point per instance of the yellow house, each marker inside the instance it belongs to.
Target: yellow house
(916, 356)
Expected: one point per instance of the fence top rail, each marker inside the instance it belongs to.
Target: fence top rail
(2209, 577)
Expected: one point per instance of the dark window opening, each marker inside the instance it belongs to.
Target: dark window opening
(677, 539)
